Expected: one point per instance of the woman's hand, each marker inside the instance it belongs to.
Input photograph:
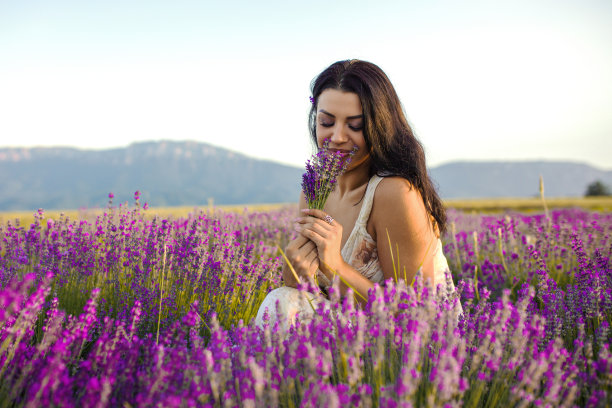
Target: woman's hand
(302, 254)
(327, 236)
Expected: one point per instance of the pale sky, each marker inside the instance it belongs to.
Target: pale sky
(479, 80)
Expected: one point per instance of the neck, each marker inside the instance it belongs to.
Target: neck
(354, 178)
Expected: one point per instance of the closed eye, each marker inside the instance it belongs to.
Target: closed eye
(353, 128)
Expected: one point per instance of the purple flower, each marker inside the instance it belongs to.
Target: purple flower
(321, 175)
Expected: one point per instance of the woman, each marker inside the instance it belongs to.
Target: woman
(385, 196)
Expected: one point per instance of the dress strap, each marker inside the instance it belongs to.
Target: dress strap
(368, 199)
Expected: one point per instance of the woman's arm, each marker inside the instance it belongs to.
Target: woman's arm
(399, 211)
(327, 238)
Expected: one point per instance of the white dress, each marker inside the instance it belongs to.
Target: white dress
(360, 252)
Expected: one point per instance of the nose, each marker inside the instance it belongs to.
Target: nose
(338, 136)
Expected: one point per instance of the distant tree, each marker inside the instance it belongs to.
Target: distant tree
(597, 188)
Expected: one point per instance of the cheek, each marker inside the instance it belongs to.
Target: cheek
(360, 142)
(322, 134)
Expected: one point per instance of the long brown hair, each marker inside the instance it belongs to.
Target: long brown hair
(394, 149)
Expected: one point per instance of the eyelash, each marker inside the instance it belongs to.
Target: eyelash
(355, 129)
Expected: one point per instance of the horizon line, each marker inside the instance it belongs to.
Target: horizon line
(442, 163)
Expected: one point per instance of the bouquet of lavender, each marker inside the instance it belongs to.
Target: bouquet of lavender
(322, 172)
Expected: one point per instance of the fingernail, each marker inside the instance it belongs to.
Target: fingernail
(297, 219)
(298, 228)
(305, 210)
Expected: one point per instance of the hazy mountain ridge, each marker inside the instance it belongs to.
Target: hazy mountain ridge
(172, 173)
(167, 174)
(516, 178)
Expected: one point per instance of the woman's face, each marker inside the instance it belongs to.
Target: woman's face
(340, 120)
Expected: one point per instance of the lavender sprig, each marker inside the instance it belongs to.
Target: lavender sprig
(322, 172)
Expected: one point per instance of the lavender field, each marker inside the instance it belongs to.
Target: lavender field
(128, 309)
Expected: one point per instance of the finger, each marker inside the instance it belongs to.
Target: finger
(313, 236)
(317, 214)
(294, 247)
(301, 222)
(307, 218)
(298, 255)
(302, 253)
(312, 262)
(317, 228)
(298, 242)
(308, 246)
(310, 257)
(314, 224)
(315, 263)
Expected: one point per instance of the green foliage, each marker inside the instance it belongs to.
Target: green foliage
(597, 189)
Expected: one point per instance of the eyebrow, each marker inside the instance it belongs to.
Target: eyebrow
(348, 117)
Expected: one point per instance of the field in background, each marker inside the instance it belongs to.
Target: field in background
(530, 204)
(487, 205)
(27, 217)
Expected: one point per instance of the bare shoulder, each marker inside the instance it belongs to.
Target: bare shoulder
(394, 193)
(398, 203)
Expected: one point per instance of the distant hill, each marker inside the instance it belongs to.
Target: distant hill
(189, 173)
(515, 179)
(167, 174)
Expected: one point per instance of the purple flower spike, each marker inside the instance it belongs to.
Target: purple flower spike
(322, 172)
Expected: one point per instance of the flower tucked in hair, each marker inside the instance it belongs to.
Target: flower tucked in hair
(322, 172)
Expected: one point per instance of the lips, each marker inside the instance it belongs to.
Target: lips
(340, 151)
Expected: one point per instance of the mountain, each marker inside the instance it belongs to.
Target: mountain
(167, 174)
(189, 173)
(515, 179)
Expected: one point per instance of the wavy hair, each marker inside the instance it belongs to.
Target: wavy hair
(394, 149)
